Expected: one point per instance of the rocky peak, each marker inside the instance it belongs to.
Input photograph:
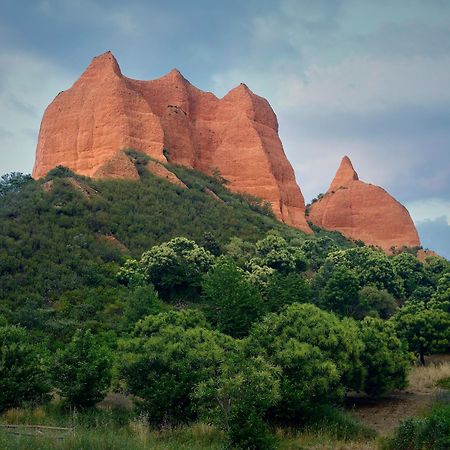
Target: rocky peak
(363, 211)
(344, 175)
(104, 112)
(102, 66)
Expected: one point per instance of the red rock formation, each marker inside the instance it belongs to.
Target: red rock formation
(363, 211)
(104, 112)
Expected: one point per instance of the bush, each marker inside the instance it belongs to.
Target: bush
(317, 353)
(385, 358)
(233, 303)
(425, 330)
(162, 363)
(375, 302)
(81, 371)
(237, 398)
(429, 433)
(22, 371)
(177, 265)
(282, 290)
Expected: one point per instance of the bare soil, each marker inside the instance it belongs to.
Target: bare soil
(385, 414)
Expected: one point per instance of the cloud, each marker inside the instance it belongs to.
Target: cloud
(430, 209)
(435, 235)
(28, 82)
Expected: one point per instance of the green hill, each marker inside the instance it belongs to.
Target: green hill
(65, 232)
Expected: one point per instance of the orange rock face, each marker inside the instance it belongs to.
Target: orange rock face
(169, 119)
(363, 211)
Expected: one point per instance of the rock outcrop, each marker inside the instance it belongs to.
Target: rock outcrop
(362, 211)
(170, 120)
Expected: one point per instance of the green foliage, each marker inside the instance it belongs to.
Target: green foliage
(163, 362)
(341, 292)
(13, 182)
(375, 302)
(142, 301)
(425, 330)
(233, 303)
(273, 251)
(22, 369)
(411, 270)
(429, 433)
(371, 267)
(317, 250)
(172, 267)
(283, 290)
(318, 354)
(385, 357)
(81, 371)
(237, 398)
(444, 383)
(440, 299)
(184, 319)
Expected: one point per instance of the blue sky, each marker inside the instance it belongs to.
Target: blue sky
(358, 77)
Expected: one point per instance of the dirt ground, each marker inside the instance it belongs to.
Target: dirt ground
(384, 415)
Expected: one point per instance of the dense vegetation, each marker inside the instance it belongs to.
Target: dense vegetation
(203, 310)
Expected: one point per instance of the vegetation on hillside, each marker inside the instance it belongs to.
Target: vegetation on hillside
(202, 310)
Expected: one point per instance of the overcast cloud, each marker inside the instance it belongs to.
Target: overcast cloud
(357, 77)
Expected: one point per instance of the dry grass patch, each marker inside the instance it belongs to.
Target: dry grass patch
(423, 379)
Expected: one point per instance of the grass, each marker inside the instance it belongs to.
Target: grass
(425, 378)
(114, 429)
(443, 383)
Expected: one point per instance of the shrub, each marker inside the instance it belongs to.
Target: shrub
(81, 370)
(429, 433)
(237, 398)
(385, 357)
(375, 302)
(22, 371)
(233, 303)
(425, 330)
(162, 363)
(317, 353)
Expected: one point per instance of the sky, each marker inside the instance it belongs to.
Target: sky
(357, 77)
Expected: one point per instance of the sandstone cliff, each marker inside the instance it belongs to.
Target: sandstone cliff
(104, 112)
(363, 211)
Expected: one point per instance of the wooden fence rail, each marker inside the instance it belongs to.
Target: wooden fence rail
(37, 430)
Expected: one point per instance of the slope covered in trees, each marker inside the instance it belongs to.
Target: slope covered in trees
(201, 306)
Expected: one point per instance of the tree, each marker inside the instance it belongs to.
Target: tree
(425, 330)
(209, 242)
(162, 363)
(142, 301)
(372, 267)
(23, 377)
(385, 357)
(173, 266)
(13, 182)
(441, 297)
(319, 356)
(237, 398)
(317, 250)
(273, 251)
(81, 370)
(183, 318)
(341, 292)
(284, 290)
(375, 302)
(411, 270)
(233, 303)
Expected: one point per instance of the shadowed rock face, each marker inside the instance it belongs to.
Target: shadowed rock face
(169, 119)
(363, 211)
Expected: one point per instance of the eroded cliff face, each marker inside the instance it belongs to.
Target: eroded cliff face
(362, 211)
(104, 112)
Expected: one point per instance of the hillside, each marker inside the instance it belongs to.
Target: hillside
(66, 231)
